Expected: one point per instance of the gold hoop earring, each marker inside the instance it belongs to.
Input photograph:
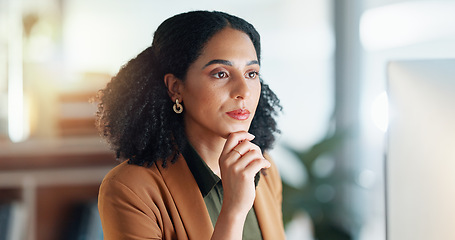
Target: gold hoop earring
(178, 108)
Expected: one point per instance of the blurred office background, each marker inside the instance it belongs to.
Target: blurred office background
(325, 59)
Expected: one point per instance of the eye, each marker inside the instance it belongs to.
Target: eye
(220, 75)
(252, 74)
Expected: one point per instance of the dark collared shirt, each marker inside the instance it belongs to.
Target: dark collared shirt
(212, 191)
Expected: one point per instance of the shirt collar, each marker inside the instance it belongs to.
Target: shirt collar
(204, 176)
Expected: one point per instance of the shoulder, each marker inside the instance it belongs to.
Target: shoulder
(132, 178)
(128, 201)
(129, 174)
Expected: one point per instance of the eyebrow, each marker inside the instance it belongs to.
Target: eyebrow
(228, 63)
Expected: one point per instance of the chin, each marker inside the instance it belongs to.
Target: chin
(238, 129)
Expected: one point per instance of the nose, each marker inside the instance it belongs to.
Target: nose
(240, 87)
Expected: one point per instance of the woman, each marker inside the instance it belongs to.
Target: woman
(192, 117)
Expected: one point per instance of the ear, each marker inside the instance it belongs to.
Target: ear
(174, 87)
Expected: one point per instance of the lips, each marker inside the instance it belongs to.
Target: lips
(239, 114)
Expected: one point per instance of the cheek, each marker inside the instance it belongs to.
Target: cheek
(208, 96)
(257, 92)
(203, 99)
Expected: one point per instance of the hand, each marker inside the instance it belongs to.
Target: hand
(240, 161)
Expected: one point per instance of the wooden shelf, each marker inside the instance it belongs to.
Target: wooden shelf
(55, 153)
(9, 194)
(57, 206)
(50, 178)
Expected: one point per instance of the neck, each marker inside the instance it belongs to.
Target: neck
(209, 149)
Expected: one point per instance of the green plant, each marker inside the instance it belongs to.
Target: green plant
(317, 196)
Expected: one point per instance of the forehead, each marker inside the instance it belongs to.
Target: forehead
(229, 44)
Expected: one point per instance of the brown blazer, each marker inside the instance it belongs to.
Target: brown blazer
(165, 203)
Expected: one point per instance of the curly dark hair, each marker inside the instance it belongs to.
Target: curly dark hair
(135, 111)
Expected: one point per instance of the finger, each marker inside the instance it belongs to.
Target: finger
(247, 158)
(230, 158)
(246, 146)
(255, 166)
(236, 163)
(240, 150)
(234, 139)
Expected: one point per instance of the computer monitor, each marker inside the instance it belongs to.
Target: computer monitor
(420, 154)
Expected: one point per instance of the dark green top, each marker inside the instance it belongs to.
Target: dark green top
(212, 191)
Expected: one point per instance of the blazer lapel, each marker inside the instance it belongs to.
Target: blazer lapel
(188, 199)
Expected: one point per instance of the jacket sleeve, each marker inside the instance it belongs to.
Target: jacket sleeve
(278, 186)
(124, 215)
(275, 181)
(268, 204)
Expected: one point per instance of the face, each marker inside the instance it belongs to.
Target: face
(221, 89)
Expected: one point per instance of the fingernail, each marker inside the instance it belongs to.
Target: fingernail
(268, 163)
